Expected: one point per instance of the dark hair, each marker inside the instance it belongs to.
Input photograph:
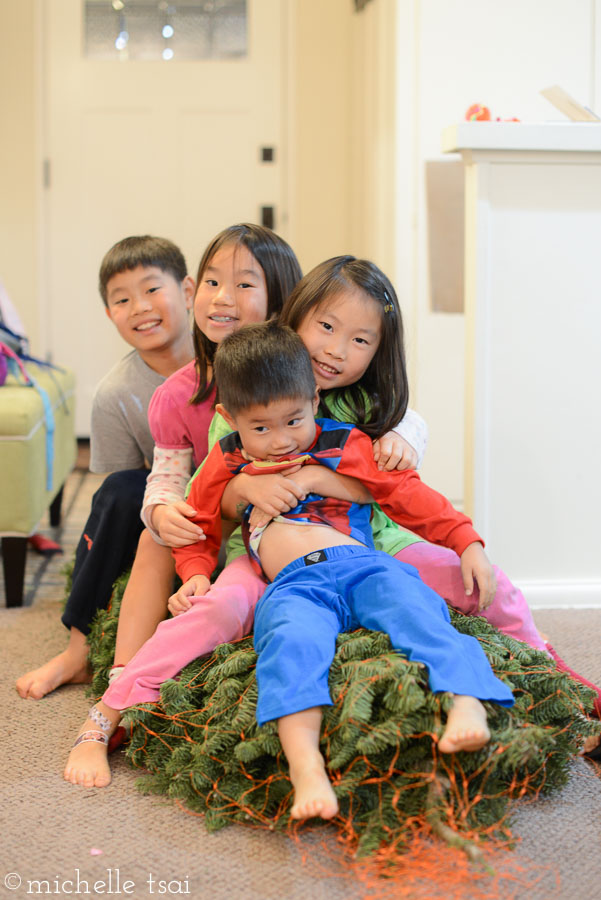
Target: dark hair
(144, 250)
(261, 363)
(280, 268)
(378, 400)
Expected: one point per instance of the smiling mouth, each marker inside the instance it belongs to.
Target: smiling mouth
(324, 367)
(146, 326)
(223, 320)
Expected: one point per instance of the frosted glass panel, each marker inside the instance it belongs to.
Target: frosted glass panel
(145, 30)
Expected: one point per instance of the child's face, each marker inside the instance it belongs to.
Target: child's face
(231, 293)
(282, 428)
(342, 335)
(149, 307)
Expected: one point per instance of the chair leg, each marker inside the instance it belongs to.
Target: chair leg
(55, 509)
(13, 563)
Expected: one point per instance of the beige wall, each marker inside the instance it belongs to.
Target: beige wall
(372, 185)
(342, 130)
(18, 168)
(320, 118)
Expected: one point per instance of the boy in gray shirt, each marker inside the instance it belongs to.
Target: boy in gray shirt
(147, 294)
(120, 436)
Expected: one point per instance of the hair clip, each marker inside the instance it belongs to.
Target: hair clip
(388, 305)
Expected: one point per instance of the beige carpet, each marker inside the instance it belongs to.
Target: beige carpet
(49, 828)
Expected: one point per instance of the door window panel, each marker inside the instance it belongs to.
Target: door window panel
(137, 30)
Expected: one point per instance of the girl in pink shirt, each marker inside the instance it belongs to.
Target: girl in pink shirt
(244, 276)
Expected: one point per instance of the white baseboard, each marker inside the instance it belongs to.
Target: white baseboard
(562, 595)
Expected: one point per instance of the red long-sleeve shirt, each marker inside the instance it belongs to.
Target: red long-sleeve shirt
(345, 449)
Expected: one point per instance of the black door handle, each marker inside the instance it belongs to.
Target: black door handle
(268, 216)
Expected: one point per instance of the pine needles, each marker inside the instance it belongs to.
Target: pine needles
(201, 744)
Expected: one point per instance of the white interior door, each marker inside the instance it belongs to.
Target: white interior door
(167, 148)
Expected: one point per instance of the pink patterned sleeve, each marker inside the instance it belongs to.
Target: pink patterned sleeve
(172, 463)
(171, 471)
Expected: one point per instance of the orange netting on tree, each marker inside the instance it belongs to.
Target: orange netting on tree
(406, 810)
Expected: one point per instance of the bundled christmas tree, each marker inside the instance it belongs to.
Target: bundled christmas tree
(201, 745)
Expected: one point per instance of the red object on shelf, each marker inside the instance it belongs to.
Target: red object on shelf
(477, 113)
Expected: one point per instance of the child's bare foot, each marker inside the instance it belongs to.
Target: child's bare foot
(66, 668)
(313, 793)
(467, 727)
(87, 764)
(69, 667)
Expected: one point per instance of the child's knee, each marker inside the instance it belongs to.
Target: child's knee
(152, 552)
(226, 614)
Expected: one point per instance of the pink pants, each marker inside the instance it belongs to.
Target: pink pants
(226, 613)
(440, 569)
(509, 612)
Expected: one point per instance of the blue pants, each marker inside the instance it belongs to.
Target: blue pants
(301, 613)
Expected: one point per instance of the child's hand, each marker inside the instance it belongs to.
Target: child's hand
(328, 483)
(287, 492)
(319, 480)
(174, 526)
(258, 519)
(272, 494)
(393, 452)
(475, 565)
(196, 586)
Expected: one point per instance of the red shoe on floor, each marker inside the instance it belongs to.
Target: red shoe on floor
(44, 545)
(121, 736)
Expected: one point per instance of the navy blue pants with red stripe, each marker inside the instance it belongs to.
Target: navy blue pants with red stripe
(107, 546)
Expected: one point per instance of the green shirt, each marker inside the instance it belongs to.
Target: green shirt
(388, 536)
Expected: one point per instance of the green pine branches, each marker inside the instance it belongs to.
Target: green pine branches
(202, 746)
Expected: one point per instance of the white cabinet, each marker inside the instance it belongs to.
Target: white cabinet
(533, 352)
